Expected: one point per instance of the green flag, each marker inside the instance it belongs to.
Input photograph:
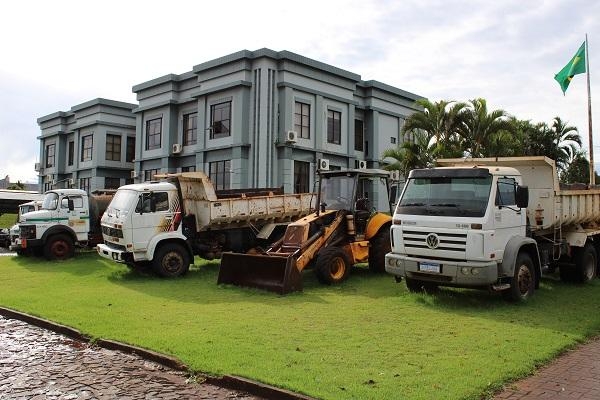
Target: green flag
(574, 67)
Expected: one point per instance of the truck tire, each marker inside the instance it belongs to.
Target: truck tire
(171, 260)
(523, 281)
(380, 245)
(59, 247)
(417, 286)
(586, 263)
(332, 265)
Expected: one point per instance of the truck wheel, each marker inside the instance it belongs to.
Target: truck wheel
(417, 286)
(332, 265)
(171, 260)
(380, 245)
(586, 262)
(523, 281)
(59, 247)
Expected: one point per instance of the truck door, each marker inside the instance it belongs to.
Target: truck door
(509, 220)
(153, 216)
(77, 214)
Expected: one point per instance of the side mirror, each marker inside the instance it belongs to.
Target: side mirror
(70, 204)
(522, 196)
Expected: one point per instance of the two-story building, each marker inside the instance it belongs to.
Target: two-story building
(91, 147)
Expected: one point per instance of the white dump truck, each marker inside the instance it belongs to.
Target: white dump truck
(493, 223)
(169, 221)
(67, 218)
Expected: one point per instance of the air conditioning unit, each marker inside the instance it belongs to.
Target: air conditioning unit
(323, 164)
(36, 166)
(395, 175)
(177, 148)
(134, 174)
(291, 136)
(360, 164)
(70, 182)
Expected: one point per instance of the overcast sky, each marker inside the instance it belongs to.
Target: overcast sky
(56, 54)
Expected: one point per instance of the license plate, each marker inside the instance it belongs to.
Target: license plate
(430, 267)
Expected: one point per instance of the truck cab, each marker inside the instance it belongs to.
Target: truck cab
(62, 221)
(15, 240)
(464, 227)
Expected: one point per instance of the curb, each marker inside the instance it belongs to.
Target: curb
(227, 381)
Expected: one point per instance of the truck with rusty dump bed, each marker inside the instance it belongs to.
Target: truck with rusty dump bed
(495, 224)
(169, 221)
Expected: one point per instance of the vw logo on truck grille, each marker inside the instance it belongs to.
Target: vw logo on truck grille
(432, 240)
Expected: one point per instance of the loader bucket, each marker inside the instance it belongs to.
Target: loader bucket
(273, 273)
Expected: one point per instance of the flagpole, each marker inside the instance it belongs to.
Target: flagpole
(590, 136)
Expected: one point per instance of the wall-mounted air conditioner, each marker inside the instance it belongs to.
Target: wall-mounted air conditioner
(360, 164)
(291, 136)
(134, 174)
(323, 164)
(177, 148)
(395, 175)
(70, 182)
(36, 166)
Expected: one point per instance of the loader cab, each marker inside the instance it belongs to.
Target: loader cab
(360, 192)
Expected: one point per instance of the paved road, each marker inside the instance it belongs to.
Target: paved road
(36, 364)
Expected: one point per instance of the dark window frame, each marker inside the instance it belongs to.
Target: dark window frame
(154, 133)
(50, 155)
(220, 120)
(219, 173)
(130, 149)
(113, 149)
(334, 127)
(359, 135)
(87, 147)
(302, 119)
(112, 183)
(149, 174)
(190, 128)
(71, 153)
(85, 183)
(301, 176)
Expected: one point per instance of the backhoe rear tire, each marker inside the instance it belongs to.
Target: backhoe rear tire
(171, 260)
(332, 265)
(380, 245)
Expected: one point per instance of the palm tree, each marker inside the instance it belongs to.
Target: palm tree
(483, 132)
(440, 122)
(566, 140)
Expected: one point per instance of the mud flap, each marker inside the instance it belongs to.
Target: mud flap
(273, 273)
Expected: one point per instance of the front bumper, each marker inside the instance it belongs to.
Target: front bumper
(452, 273)
(113, 254)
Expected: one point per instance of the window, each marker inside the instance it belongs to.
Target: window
(302, 120)
(149, 174)
(188, 169)
(152, 202)
(359, 135)
(112, 183)
(87, 144)
(130, 151)
(113, 147)
(334, 130)
(50, 155)
(190, 128)
(220, 120)
(84, 184)
(47, 186)
(392, 140)
(219, 174)
(153, 133)
(71, 155)
(77, 202)
(505, 196)
(301, 177)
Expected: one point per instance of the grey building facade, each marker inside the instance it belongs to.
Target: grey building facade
(265, 119)
(91, 146)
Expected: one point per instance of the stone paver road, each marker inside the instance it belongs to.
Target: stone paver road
(36, 364)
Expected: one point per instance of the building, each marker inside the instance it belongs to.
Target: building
(249, 119)
(265, 119)
(89, 147)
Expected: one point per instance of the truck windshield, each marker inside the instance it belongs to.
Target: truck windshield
(123, 201)
(50, 201)
(446, 196)
(337, 191)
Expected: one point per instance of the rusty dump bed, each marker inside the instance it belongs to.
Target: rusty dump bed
(274, 273)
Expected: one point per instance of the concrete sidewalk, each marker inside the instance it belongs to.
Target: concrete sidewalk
(574, 375)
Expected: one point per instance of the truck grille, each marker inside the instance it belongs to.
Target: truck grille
(442, 245)
(113, 232)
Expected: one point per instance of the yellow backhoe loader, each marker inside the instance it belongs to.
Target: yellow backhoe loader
(344, 230)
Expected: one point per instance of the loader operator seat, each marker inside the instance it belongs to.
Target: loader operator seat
(361, 214)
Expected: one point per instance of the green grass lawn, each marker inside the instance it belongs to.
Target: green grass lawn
(366, 339)
(7, 220)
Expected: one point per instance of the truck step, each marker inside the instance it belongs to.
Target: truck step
(500, 286)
